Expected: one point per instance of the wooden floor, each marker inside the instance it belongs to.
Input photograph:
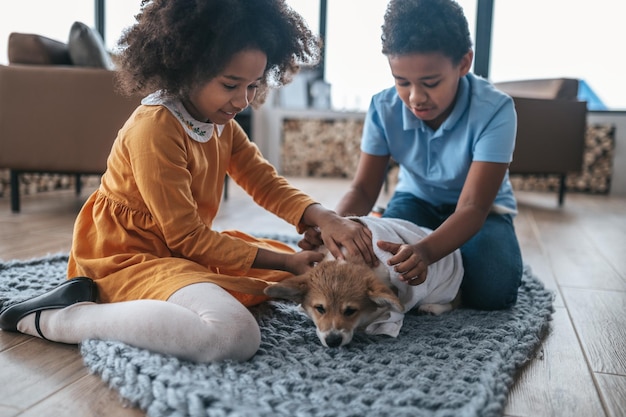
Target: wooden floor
(579, 251)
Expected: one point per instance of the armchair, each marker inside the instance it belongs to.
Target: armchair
(551, 125)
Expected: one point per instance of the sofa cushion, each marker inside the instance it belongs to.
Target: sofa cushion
(27, 48)
(86, 47)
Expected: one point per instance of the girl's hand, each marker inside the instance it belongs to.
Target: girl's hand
(354, 236)
(337, 232)
(300, 262)
(408, 260)
(311, 240)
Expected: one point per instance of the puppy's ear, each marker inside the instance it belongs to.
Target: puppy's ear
(383, 296)
(293, 288)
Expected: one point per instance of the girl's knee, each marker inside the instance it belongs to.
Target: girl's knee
(245, 338)
(228, 330)
(236, 338)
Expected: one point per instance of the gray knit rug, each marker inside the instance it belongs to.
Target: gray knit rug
(459, 364)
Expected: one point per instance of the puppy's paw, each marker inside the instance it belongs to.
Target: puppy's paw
(434, 309)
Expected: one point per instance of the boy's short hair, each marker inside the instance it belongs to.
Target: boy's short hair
(424, 26)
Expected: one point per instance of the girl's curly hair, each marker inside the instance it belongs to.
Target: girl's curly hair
(424, 26)
(176, 45)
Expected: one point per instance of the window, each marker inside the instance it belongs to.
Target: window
(309, 10)
(530, 39)
(355, 67)
(560, 38)
(119, 15)
(35, 16)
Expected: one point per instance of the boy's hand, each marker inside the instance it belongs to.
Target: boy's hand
(408, 260)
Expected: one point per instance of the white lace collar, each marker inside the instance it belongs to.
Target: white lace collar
(198, 131)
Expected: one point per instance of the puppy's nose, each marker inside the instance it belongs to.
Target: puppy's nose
(334, 340)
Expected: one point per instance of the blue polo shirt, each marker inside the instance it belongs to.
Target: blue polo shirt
(434, 164)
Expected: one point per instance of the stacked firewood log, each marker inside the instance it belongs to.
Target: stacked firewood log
(596, 171)
(321, 148)
(330, 148)
(33, 183)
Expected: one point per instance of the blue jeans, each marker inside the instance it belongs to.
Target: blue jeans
(491, 258)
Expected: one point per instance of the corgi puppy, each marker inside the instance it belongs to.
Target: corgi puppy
(345, 296)
(340, 297)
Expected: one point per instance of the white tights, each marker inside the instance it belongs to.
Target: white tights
(200, 322)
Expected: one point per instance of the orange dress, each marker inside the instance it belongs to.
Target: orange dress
(146, 232)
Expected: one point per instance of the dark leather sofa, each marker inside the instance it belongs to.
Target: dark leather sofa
(551, 127)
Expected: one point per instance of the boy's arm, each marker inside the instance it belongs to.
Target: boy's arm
(479, 192)
(365, 188)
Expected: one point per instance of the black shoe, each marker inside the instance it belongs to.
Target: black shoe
(70, 292)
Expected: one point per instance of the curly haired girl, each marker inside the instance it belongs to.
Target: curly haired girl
(165, 280)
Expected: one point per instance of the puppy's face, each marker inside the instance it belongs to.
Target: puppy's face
(339, 297)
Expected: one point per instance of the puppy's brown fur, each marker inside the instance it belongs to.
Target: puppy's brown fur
(340, 297)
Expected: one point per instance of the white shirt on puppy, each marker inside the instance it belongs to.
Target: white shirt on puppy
(442, 282)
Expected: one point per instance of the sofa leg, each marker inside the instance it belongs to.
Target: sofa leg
(562, 188)
(78, 185)
(15, 191)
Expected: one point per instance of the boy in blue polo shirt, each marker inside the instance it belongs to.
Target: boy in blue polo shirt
(452, 134)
